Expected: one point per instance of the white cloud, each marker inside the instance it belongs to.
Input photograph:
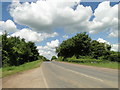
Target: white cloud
(53, 43)
(106, 17)
(114, 33)
(103, 41)
(49, 49)
(50, 15)
(1, 33)
(47, 15)
(65, 36)
(30, 35)
(115, 47)
(9, 26)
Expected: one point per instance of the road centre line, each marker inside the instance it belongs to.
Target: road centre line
(80, 73)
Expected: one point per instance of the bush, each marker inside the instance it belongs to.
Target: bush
(85, 57)
(114, 57)
(101, 58)
(16, 51)
(60, 59)
(53, 58)
(83, 60)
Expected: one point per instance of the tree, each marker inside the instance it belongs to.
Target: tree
(16, 51)
(77, 45)
(53, 58)
(0, 51)
(99, 49)
(114, 56)
(42, 58)
(81, 45)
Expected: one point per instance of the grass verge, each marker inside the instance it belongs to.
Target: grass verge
(112, 65)
(15, 69)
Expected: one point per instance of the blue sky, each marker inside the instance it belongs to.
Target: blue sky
(103, 34)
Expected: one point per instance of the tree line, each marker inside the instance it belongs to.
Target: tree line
(16, 51)
(82, 46)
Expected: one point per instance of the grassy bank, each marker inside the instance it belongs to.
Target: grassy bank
(15, 69)
(92, 62)
(112, 65)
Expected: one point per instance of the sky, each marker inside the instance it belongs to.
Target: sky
(48, 23)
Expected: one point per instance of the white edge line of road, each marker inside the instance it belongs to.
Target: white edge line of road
(80, 73)
(46, 85)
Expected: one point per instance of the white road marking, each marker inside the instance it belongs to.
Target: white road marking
(79, 73)
(46, 85)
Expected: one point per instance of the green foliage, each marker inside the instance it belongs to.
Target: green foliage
(15, 69)
(53, 58)
(83, 60)
(43, 58)
(101, 58)
(99, 49)
(16, 51)
(113, 65)
(114, 56)
(0, 51)
(85, 57)
(60, 58)
(77, 45)
(81, 46)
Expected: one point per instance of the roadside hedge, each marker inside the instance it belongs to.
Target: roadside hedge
(83, 60)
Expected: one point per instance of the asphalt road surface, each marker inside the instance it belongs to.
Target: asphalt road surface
(64, 75)
(67, 75)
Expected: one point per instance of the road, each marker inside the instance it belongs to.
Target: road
(64, 75)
